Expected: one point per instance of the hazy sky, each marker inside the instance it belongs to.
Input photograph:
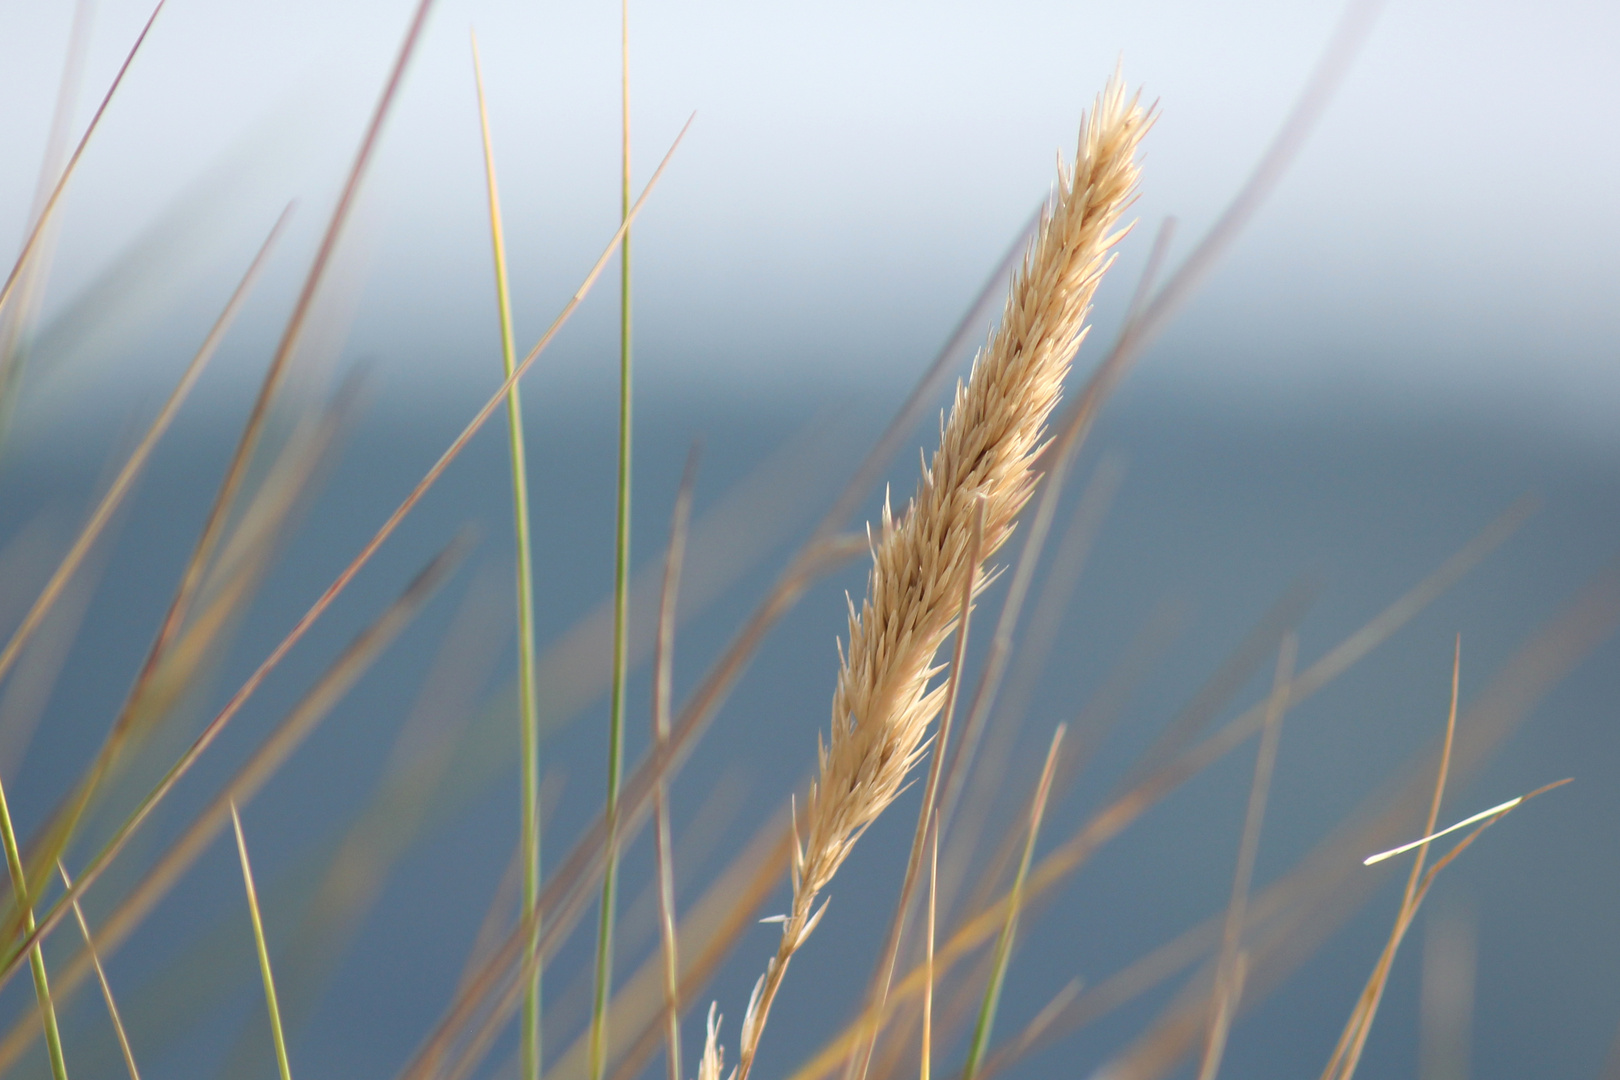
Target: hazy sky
(856, 168)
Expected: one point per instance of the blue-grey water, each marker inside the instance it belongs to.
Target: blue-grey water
(1219, 511)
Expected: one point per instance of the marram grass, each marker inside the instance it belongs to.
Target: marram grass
(933, 1003)
(884, 706)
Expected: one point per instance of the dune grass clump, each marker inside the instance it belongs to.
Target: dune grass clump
(892, 707)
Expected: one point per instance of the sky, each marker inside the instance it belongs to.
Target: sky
(1449, 232)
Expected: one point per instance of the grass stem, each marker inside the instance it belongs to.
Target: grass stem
(101, 975)
(264, 952)
(528, 703)
(37, 231)
(928, 952)
(621, 587)
(1009, 928)
(36, 958)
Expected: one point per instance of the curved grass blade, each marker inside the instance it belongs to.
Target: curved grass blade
(528, 705)
(1348, 1051)
(663, 676)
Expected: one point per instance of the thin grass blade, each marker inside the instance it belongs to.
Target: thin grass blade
(621, 588)
(528, 703)
(1009, 928)
(44, 216)
(271, 1005)
(36, 958)
(928, 954)
(101, 976)
(1229, 966)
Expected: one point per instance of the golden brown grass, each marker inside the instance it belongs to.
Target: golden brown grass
(883, 705)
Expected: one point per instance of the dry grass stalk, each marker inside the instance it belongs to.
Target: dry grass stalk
(883, 705)
(1229, 967)
(101, 976)
(1348, 1051)
(663, 677)
(38, 230)
(928, 953)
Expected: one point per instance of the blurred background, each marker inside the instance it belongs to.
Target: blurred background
(1417, 331)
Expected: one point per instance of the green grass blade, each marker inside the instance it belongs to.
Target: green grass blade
(101, 975)
(36, 959)
(621, 591)
(264, 952)
(529, 710)
(1009, 926)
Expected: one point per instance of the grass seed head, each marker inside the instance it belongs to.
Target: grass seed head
(883, 704)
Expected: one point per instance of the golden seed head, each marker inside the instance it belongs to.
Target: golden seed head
(883, 705)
